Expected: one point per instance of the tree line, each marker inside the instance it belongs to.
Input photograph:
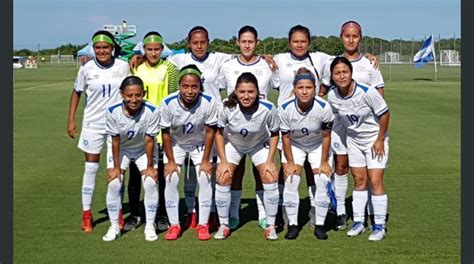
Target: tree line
(270, 45)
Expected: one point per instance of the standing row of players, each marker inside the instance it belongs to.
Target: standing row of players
(101, 78)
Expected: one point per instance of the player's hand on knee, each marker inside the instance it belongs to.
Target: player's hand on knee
(170, 168)
(206, 167)
(113, 174)
(271, 171)
(152, 172)
(325, 168)
(224, 175)
(289, 169)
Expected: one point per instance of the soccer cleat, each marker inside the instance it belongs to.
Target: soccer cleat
(222, 233)
(112, 234)
(132, 223)
(341, 222)
(203, 232)
(293, 232)
(87, 221)
(262, 223)
(233, 223)
(356, 229)
(270, 233)
(162, 223)
(320, 232)
(173, 233)
(192, 221)
(378, 233)
(312, 217)
(150, 233)
(121, 222)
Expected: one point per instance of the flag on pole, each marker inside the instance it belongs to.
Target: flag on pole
(426, 53)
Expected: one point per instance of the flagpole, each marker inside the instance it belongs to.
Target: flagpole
(434, 56)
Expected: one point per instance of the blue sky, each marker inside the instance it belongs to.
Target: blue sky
(51, 23)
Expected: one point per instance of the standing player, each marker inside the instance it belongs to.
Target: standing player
(132, 126)
(305, 124)
(365, 115)
(160, 78)
(100, 79)
(364, 73)
(247, 61)
(247, 125)
(188, 120)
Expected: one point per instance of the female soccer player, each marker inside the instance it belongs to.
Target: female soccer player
(247, 61)
(160, 77)
(100, 79)
(365, 115)
(132, 126)
(247, 125)
(364, 73)
(188, 120)
(305, 124)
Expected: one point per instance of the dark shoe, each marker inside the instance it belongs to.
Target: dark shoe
(320, 232)
(293, 232)
(132, 223)
(162, 223)
(341, 222)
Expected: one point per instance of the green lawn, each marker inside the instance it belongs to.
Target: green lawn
(422, 182)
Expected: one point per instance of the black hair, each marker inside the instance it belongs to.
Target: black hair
(337, 60)
(194, 67)
(299, 28)
(131, 80)
(117, 47)
(195, 29)
(152, 33)
(248, 28)
(246, 77)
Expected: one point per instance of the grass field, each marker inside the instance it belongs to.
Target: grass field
(422, 182)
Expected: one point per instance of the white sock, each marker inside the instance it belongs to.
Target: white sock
(260, 206)
(113, 200)
(235, 197)
(370, 206)
(223, 194)
(270, 199)
(205, 197)
(380, 203)
(359, 201)
(150, 199)
(88, 184)
(190, 184)
(172, 198)
(311, 191)
(321, 197)
(291, 199)
(340, 189)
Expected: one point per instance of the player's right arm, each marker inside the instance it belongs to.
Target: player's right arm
(79, 85)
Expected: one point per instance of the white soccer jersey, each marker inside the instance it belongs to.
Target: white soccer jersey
(359, 113)
(132, 129)
(365, 73)
(305, 128)
(232, 69)
(188, 126)
(289, 64)
(209, 67)
(102, 88)
(244, 130)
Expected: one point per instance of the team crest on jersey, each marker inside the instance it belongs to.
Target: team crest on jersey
(95, 76)
(236, 72)
(116, 74)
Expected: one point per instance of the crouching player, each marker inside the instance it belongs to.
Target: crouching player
(132, 126)
(188, 120)
(305, 123)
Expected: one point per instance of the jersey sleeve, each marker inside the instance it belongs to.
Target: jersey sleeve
(220, 80)
(153, 124)
(173, 74)
(222, 117)
(284, 122)
(376, 102)
(111, 124)
(275, 80)
(212, 116)
(176, 59)
(326, 72)
(327, 114)
(274, 121)
(376, 79)
(165, 116)
(80, 82)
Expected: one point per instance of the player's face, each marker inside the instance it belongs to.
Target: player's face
(299, 43)
(342, 75)
(199, 44)
(153, 52)
(133, 97)
(246, 94)
(103, 52)
(351, 39)
(189, 89)
(304, 91)
(247, 43)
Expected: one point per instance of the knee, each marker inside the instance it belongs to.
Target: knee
(342, 168)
